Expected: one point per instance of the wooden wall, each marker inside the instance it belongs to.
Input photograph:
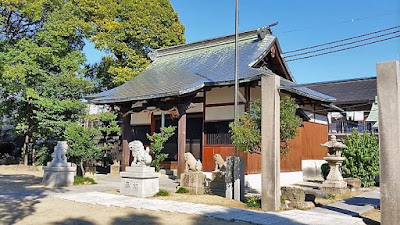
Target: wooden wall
(252, 161)
(307, 145)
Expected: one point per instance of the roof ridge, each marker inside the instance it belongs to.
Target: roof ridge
(212, 42)
(338, 81)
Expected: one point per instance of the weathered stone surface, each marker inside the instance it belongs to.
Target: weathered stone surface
(293, 194)
(301, 205)
(388, 86)
(139, 181)
(140, 155)
(194, 182)
(191, 164)
(114, 169)
(353, 183)
(58, 172)
(316, 193)
(220, 164)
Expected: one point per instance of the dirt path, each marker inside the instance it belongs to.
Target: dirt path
(49, 210)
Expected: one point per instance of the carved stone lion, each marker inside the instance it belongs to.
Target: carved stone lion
(59, 153)
(140, 155)
(191, 163)
(220, 164)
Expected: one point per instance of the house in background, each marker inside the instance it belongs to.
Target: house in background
(190, 86)
(355, 98)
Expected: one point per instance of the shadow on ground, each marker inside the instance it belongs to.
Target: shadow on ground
(18, 196)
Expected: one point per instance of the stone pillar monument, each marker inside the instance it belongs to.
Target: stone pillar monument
(58, 172)
(388, 82)
(139, 180)
(270, 149)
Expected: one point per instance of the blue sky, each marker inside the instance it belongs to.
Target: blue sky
(301, 24)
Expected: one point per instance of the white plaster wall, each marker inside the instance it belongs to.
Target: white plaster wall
(141, 118)
(317, 118)
(253, 181)
(195, 108)
(222, 112)
(221, 95)
(312, 169)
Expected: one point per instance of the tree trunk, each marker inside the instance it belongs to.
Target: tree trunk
(26, 149)
(82, 169)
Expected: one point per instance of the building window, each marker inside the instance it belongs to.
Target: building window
(217, 133)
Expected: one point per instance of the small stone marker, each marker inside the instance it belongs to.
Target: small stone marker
(58, 172)
(238, 178)
(193, 178)
(194, 182)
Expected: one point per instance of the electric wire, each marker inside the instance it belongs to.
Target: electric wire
(343, 49)
(341, 45)
(346, 39)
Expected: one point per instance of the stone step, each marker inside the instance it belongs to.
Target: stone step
(173, 172)
(306, 184)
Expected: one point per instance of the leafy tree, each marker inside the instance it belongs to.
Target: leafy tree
(157, 145)
(129, 30)
(41, 79)
(246, 133)
(83, 147)
(362, 157)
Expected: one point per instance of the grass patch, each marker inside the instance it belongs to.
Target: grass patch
(253, 202)
(161, 192)
(330, 196)
(78, 180)
(182, 190)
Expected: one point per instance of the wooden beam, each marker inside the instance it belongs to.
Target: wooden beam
(127, 136)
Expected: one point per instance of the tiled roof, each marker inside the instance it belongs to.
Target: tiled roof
(348, 91)
(183, 69)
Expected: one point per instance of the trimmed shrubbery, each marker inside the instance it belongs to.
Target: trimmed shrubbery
(362, 157)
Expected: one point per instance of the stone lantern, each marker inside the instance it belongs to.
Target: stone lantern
(334, 181)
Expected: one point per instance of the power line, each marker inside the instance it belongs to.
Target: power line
(346, 39)
(336, 46)
(339, 22)
(343, 49)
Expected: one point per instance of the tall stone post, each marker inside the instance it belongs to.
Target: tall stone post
(181, 138)
(127, 136)
(270, 143)
(388, 82)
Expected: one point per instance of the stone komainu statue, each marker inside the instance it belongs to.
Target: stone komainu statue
(191, 163)
(140, 155)
(220, 163)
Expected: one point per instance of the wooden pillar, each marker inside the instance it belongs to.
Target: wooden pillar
(270, 148)
(127, 136)
(388, 86)
(181, 138)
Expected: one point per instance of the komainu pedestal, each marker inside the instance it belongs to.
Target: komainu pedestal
(139, 181)
(194, 182)
(58, 172)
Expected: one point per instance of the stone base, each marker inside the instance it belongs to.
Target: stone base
(194, 182)
(353, 183)
(217, 185)
(338, 187)
(58, 176)
(139, 181)
(114, 169)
